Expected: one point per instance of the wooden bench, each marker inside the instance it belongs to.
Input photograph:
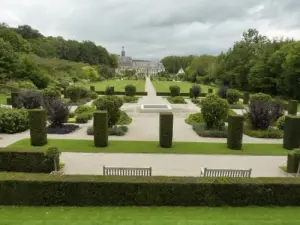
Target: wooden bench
(119, 171)
(225, 173)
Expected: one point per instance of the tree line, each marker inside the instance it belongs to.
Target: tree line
(255, 63)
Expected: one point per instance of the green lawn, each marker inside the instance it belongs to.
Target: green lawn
(118, 84)
(152, 147)
(149, 216)
(163, 86)
(2, 99)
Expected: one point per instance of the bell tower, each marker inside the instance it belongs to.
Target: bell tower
(123, 51)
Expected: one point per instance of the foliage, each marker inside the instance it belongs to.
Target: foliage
(13, 120)
(280, 123)
(129, 99)
(90, 73)
(112, 105)
(50, 93)
(233, 96)
(266, 133)
(82, 118)
(84, 109)
(277, 109)
(291, 132)
(63, 129)
(124, 119)
(165, 130)
(37, 124)
(92, 95)
(195, 118)
(109, 90)
(261, 97)
(29, 100)
(214, 111)
(195, 91)
(202, 131)
(222, 92)
(130, 90)
(71, 114)
(293, 161)
(53, 153)
(176, 100)
(74, 93)
(173, 64)
(100, 128)
(235, 132)
(58, 112)
(174, 90)
(26, 85)
(293, 107)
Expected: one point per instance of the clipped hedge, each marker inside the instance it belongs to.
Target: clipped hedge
(130, 90)
(235, 132)
(92, 88)
(181, 94)
(291, 137)
(25, 161)
(45, 190)
(246, 98)
(165, 130)
(293, 107)
(14, 99)
(38, 127)
(293, 161)
(100, 129)
(138, 93)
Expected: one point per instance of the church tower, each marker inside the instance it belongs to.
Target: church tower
(123, 52)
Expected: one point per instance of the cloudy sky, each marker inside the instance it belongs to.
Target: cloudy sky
(156, 28)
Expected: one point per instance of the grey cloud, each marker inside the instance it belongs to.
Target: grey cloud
(155, 28)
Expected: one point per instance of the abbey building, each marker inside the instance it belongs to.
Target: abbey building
(141, 67)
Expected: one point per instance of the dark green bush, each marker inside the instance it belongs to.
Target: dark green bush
(30, 99)
(195, 91)
(195, 118)
(293, 107)
(210, 90)
(82, 118)
(235, 132)
(50, 93)
(14, 99)
(57, 112)
(291, 132)
(85, 109)
(177, 100)
(25, 161)
(165, 130)
(233, 96)
(53, 154)
(280, 123)
(8, 100)
(92, 95)
(73, 92)
(37, 125)
(13, 120)
(214, 110)
(26, 85)
(130, 99)
(174, 90)
(112, 105)
(261, 97)
(202, 131)
(130, 90)
(293, 161)
(246, 98)
(269, 133)
(71, 115)
(124, 119)
(196, 101)
(109, 90)
(100, 128)
(92, 88)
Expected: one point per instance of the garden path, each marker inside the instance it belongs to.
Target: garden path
(172, 164)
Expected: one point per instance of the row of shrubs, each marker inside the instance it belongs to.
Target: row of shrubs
(129, 90)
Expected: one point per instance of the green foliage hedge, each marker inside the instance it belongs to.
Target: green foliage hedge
(246, 98)
(82, 118)
(291, 132)
(13, 120)
(45, 190)
(112, 131)
(176, 100)
(195, 118)
(130, 90)
(138, 93)
(293, 107)
(73, 92)
(293, 161)
(270, 133)
(130, 99)
(22, 161)
(100, 128)
(280, 123)
(174, 90)
(165, 130)
(261, 97)
(235, 132)
(38, 127)
(14, 99)
(232, 96)
(124, 119)
(202, 131)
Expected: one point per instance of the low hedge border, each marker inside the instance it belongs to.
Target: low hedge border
(181, 94)
(25, 161)
(45, 190)
(271, 133)
(138, 93)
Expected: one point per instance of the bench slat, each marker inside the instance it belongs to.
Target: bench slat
(120, 171)
(225, 173)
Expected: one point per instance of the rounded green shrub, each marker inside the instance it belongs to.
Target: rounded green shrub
(261, 97)
(130, 90)
(110, 90)
(13, 120)
(195, 91)
(246, 98)
(27, 85)
(124, 119)
(92, 95)
(280, 123)
(214, 110)
(177, 100)
(130, 99)
(195, 118)
(112, 105)
(50, 93)
(73, 92)
(84, 109)
(38, 128)
(82, 118)
(174, 90)
(233, 96)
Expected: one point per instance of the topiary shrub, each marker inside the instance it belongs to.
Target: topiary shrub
(177, 100)
(112, 105)
(293, 107)
(235, 132)
(92, 95)
(246, 98)
(109, 90)
(130, 90)
(165, 130)
(222, 92)
(260, 114)
(38, 128)
(113, 131)
(29, 100)
(293, 161)
(73, 92)
(100, 129)
(13, 120)
(82, 118)
(291, 137)
(195, 91)
(195, 118)
(210, 90)
(261, 97)
(280, 123)
(50, 93)
(233, 96)
(201, 130)
(214, 111)
(174, 90)
(58, 112)
(14, 99)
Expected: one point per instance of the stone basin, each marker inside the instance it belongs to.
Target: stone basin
(155, 108)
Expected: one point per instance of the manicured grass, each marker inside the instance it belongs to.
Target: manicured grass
(152, 147)
(3, 99)
(149, 215)
(118, 84)
(163, 86)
